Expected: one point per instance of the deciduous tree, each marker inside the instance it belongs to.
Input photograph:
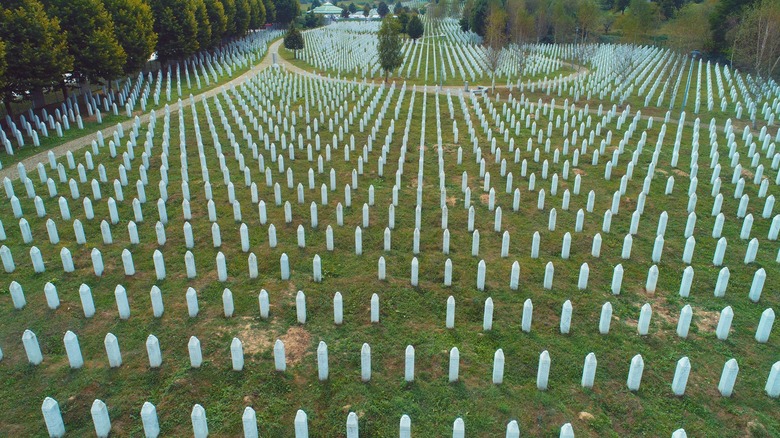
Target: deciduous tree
(286, 11)
(134, 28)
(176, 27)
(758, 39)
(257, 17)
(91, 38)
(36, 52)
(389, 45)
(204, 25)
(217, 19)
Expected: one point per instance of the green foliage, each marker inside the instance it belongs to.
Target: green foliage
(286, 11)
(415, 28)
(270, 11)
(352, 8)
(478, 17)
(217, 19)
(36, 50)
(243, 17)
(310, 21)
(176, 27)
(345, 13)
(91, 38)
(230, 14)
(257, 17)
(382, 9)
(204, 25)
(724, 19)
(134, 28)
(366, 10)
(403, 20)
(389, 45)
(293, 40)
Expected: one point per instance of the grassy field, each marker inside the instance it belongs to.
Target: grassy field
(110, 120)
(409, 315)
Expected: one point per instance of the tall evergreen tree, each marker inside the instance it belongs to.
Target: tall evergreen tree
(217, 19)
(91, 37)
(382, 9)
(36, 51)
(134, 28)
(389, 45)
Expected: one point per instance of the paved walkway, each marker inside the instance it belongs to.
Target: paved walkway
(74, 145)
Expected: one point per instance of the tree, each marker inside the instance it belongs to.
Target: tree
(286, 11)
(134, 28)
(640, 18)
(204, 26)
(91, 39)
(607, 20)
(382, 9)
(520, 23)
(690, 29)
(176, 27)
(36, 52)
(230, 17)
(345, 13)
(588, 17)
(257, 15)
(398, 7)
(352, 8)
(403, 20)
(415, 28)
(243, 17)
(758, 36)
(293, 40)
(478, 17)
(217, 19)
(389, 45)
(366, 10)
(495, 39)
(270, 11)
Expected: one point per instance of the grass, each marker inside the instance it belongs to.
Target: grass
(110, 120)
(409, 316)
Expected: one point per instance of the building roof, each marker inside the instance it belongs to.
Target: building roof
(327, 9)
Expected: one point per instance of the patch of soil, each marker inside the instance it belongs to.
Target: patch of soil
(680, 172)
(296, 343)
(579, 172)
(484, 198)
(747, 174)
(451, 200)
(706, 320)
(585, 416)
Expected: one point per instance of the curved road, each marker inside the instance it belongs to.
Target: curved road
(80, 143)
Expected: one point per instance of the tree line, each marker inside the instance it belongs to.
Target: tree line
(745, 33)
(57, 43)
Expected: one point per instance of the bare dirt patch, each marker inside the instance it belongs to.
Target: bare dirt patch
(747, 174)
(679, 172)
(450, 200)
(706, 320)
(484, 198)
(585, 416)
(296, 343)
(579, 172)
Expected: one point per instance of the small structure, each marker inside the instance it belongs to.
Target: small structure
(327, 9)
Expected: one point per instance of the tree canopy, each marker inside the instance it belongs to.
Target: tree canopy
(287, 11)
(176, 27)
(382, 9)
(91, 36)
(389, 45)
(293, 40)
(415, 28)
(217, 19)
(36, 50)
(134, 29)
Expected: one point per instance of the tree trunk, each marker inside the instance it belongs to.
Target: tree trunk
(38, 99)
(64, 89)
(7, 101)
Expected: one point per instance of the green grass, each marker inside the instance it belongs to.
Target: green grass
(408, 315)
(110, 120)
